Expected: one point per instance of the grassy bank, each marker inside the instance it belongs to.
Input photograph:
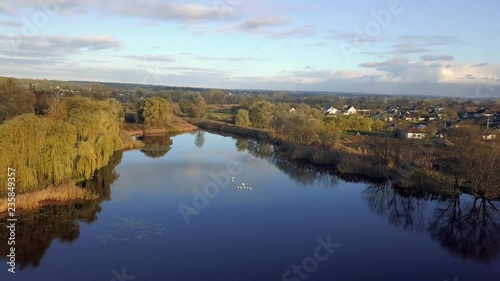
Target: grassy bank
(229, 128)
(54, 194)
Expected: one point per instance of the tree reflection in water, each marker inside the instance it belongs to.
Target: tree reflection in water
(262, 150)
(199, 139)
(468, 227)
(156, 146)
(242, 144)
(403, 211)
(302, 172)
(35, 231)
(465, 226)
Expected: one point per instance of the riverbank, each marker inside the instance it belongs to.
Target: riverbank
(130, 131)
(347, 162)
(60, 194)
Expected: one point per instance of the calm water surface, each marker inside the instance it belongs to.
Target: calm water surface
(152, 222)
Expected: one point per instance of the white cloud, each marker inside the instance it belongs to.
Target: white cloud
(263, 22)
(11, 23)
(151, 58)
(436, 58)
(172, 11)
(163, 10)
(55, 46)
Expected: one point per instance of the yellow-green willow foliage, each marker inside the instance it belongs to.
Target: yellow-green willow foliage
(98, 132)
(46, 151)
(58, 153)
(155, 111)
(21, 142)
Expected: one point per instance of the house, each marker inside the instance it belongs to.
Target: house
(332, 110)
(439, 109)
(416, 132)
(479, 113)
(467, 114)
(408, 116)
(292, 110)
(433, 116)
(487, 113)
(382, 116)
(378, 115)
(393, 111)
(349, 110)
(440, 134)
(365, 112)
(465, 124)
(496, 116)
(489, 135)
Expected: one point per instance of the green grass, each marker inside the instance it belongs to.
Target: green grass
(221, 115)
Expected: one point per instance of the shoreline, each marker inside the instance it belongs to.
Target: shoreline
(348, 163)
(61, 194)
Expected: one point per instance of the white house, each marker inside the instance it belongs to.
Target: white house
(409, 117)
(416, 133)
(332, 110)
(349, 110)
(489, 135)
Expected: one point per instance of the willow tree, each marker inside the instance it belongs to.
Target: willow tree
(39, 149)
(98, 133)
(21, 142)
(58, 153)
(155, 112)
(47, 150)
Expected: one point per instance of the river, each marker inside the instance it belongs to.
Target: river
(202, 206)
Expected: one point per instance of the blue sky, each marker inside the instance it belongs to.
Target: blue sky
(435, 47)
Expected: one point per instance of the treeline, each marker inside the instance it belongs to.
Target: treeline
(75, 137)
(461, 162)
(302, 124)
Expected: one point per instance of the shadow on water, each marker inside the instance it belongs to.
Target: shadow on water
(464, 226)
(468, 227)
(36, 231)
